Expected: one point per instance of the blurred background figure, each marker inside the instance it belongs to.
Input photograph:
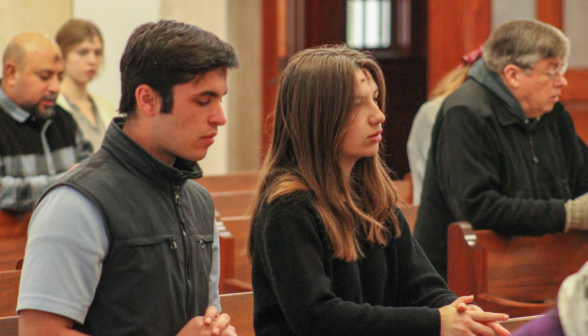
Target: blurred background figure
(419, 140)
(39, 141)
(82, 48)
(570, 318)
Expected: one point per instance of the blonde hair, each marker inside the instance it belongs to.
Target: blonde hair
(311, 117)
(450, 82)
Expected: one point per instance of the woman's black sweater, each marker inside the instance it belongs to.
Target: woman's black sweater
(299, 289)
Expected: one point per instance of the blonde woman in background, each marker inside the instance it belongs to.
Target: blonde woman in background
(419, 139)
(82, 48)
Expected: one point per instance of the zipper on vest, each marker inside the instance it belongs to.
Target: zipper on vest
(187, 250)
(172, 243)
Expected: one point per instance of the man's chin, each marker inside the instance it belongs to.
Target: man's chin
(43, 114)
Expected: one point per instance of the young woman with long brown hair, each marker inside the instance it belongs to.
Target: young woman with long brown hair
(331, 253)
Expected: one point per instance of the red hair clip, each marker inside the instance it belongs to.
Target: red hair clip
(471, 57)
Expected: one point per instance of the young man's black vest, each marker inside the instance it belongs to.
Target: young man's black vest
(160, 231)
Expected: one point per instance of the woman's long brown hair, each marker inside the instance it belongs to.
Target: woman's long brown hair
(311, 117)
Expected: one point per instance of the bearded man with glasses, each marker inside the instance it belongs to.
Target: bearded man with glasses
(504, 152)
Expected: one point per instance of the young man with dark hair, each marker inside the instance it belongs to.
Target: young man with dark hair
(126, 244)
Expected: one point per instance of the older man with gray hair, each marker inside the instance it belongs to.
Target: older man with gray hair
(504, 154)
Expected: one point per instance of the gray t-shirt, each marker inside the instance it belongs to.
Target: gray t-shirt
(66, 246)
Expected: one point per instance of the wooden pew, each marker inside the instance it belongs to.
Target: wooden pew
(12, 250)
(13, 238)
(579, 112)
(516, 275)
(232, 203)
(14, 223)
(227, 281)
(410, 213)
(239, 228)
(404, 188)
(239, 306)
(9, 282)
(9, 326)
(235, 181)
(235, 275)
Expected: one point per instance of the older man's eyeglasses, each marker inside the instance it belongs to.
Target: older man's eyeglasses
(553, 73)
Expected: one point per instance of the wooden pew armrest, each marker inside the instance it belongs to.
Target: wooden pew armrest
(237, 286)
(496, 304)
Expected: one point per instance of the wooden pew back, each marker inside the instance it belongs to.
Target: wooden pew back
(239, 306)
(12, 250)
(235, 274)
(235, 181)
(516, 275)
(239, 228)
(9, 326)
(232, 203)
(410, 213)
(9, 282)
(13, 238)
(404, 188)
(13, 223)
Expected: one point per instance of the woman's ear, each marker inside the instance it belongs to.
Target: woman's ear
(148, 100)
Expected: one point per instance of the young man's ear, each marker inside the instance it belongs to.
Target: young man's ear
(148, 100)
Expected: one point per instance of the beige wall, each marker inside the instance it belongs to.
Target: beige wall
(575, 26)
(210, 15)
(46, 16)
(239, 23)
(245, 31)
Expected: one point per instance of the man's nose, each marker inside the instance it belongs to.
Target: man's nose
(219, 117)
(54, 84)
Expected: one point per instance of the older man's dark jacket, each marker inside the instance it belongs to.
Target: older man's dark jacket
(491, 166)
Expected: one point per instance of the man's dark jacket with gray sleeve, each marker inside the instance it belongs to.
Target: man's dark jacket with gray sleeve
(491, 166)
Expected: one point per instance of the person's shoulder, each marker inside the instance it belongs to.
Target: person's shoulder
(201, 196)
(471, 98)
(196, 188)
(63, 103)
(469, 92)
(299, 198)
(293, 203)
(285, 212)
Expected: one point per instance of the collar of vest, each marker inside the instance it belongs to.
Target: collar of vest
(137, 159)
